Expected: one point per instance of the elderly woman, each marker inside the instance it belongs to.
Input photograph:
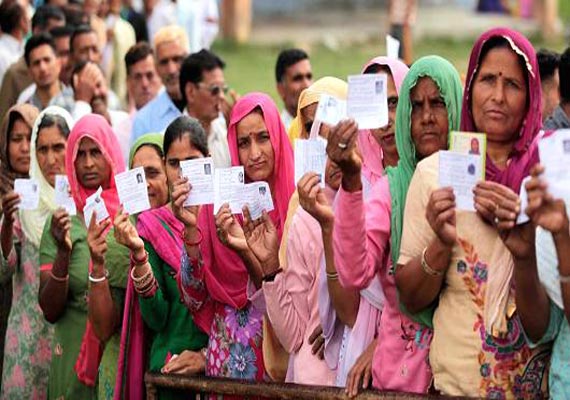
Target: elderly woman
(461, 263)
(26, 361)
(428, 107)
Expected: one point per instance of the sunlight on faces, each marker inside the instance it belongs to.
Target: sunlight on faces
(50, 153)
(254, 147)
(91, 167)
(147, 157)
(44, 66)
(297, 77)
(19, 147)
(169, 57)
(429, 123)
(86, 48)
(204, 105)
(143, 81)
(180, 149)
(499, 96)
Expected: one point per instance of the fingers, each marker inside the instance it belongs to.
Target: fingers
(248, 225)
(316, 333)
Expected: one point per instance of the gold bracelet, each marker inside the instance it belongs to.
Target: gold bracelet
(427, 269)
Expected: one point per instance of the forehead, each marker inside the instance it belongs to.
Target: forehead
(85, 39)
(214, 75)
(502, 59)
(19, 126)
(301, 67)
(41, 51)
(144, 64)
(62, 42)
(87, 143)
(251, 123)
(425, 86)
(169, 49)
(146, 155)
(308, 112)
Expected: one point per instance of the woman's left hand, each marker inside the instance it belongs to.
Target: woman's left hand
(229, 230)
(97, 239)
(497, 204)
(187, 363)
(262, 240)
(125, 233)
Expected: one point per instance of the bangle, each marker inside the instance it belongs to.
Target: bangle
(197, 242)
(427, 269)
(134, 261)
(142, 281)
(332, 276)
(270, 277)
(99, 280)
(58, 278)
(564, 278)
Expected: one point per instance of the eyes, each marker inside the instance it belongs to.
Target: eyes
(260, 138)
(56, 148)
(492, 79)
(93, 153)
(435, 103)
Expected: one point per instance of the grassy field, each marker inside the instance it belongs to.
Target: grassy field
(251, 68)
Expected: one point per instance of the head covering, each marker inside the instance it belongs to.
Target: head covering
(33, 220)
(328, 85)
(29, 114)
(521, 159)
(447, 80)
(524, 154)
(98, 129)
(155, 139)
(226, 275)
(373, 167)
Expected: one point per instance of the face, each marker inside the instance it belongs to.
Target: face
(91, 167)
(143, 82)
(44, 66)
(307, 117)
(62, 52)
(429, 123)
(50, 153)
(550, 95)
(254, 148)
(333, 175)
(19, 147)
(179, 150)
(499, 96)
(86, 48)
(385, 136)
(148, 158)
(169, 57)
(205, 98)
(296, 78)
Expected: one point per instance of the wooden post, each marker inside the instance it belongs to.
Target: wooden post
(236, 20)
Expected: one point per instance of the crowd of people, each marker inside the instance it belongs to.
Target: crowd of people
(370, 279)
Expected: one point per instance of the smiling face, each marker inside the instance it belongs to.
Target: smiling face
(19, 147)
(499, 96)
(147, 157)
(254, 147)
(91, 167)
(429, 123)
(50, 153)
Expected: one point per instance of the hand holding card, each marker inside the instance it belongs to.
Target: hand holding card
(29, 191)
(95, 203)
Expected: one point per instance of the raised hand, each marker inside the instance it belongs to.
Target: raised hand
(97, 239)
(313, 199)
(229, 230)
(440, 214)
(497, 204)
(543, 209)
(342, 148)
(10, 204)
(60, 228)
(180, 192)
(227, 106)
(125, 233)
(262, 240)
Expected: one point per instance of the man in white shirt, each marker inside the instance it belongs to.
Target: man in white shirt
(203, 88)
(293, 74)
(15, 25)
(159, 14)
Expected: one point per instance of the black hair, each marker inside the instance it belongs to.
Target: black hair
(11, 11)
(548, 62)
(49, 120)
(287, 58)
(564, 75)
(80, 30)
(194, 65)
(43, 14)
(186, 125)
(36, 41)
(136, 53)
(61, 31)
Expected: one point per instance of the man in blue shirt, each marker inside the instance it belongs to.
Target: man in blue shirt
(171, 47)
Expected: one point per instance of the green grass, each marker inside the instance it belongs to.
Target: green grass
(251, 67)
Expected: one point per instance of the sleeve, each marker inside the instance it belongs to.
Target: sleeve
(554, 323)
(357, 260)
(287, 297)
(416, 232)
(9, 262)
(155, 309)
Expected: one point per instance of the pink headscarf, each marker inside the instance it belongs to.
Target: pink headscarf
(98, 129)
(369, 147)
(525, 152)
(226, 275)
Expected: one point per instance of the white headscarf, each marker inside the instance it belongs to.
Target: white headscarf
(33, 220)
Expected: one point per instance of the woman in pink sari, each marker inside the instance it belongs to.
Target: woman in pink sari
(217, 264)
